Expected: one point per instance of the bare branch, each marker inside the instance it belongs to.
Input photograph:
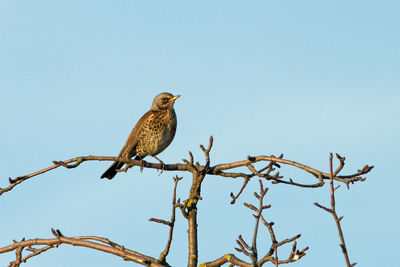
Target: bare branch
(225, 259)
(160, 221)
(332, 210)
(75, 162)
(244, 163)
(246, 180)
(207, 154)
(240, 238)
(244, 247)
(323, 207)
(96, 243)
(190, 205)
(251, 251)
(218, 170)
(170, 223)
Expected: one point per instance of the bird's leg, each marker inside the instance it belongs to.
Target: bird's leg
(127, 163)
(162, 164)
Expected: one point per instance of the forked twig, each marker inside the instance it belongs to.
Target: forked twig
(251, 250)
(332, 209)
(170, 223)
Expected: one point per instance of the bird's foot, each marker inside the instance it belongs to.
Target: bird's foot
(128, 165)
(162, 164)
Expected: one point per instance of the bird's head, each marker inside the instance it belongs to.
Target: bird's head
(163, 101)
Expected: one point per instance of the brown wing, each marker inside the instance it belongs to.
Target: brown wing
(129, 148)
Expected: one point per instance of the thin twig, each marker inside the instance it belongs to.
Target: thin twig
(171, 223)
(332, 210)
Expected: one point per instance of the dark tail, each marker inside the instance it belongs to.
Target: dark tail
(111, 172)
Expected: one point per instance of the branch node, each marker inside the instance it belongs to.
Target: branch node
(251, 159)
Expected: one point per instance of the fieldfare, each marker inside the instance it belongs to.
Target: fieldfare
(151, 135)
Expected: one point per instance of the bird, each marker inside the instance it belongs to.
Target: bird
(153, 133)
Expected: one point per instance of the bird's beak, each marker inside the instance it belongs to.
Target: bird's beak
(174, 98)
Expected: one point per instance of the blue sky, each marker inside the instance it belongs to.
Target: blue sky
(303, 78)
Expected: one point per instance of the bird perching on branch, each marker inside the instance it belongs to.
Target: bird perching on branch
(152, 134)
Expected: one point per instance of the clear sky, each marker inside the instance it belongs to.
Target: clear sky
(303, 78)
